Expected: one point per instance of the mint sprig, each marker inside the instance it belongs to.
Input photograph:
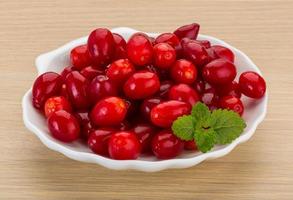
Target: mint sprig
(208, 128)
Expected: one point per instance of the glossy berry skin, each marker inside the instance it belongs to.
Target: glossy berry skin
(80, 57)
(120, 47)
(45, 86)
(169, 38)
(195, 52)
(183, 92)
(219, 71)
(252, 84)
(141, 85)
(232, 103)
(166, 145)
(164, 55)
(63, 126)
(190, 145)
(54, 104)
(199, 86)
(101, 87)
(222, 52)
(164, 89)
(165, 113)
(66, 71)
(98, 140)
(91, 72)
(120, 70)
(108, 111)
(229, 89)
(76, 86)
(183, 71)
(148, 104)
(139, 49)
(124, 146)
(187, 31)
(101, 46)
(210, 98)
(144, 133)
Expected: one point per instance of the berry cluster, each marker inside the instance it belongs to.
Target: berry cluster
(122, 97)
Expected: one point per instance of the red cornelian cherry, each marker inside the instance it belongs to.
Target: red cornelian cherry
(109, 111)
(195, 52)
(219, 71)
(45, 86)
(164, 89)
(165, 113)
(229, 89)
(169, 38)
(144, 133)
(76, 86)
(232, 103)
(166, 145)
(183, 92)
(252, 84)
(141, 85)
(63, 126)
(80, 57)
(190, 145)
(183, 71)
(148, 104)
(90, 72)
(139, 49)
(101, 87)
(189, 31)
(101, 46)
(120, 47)
(124, 146)
(222, 52)
(98, 140)
(120, 70)
(164, 55)
(54, 104)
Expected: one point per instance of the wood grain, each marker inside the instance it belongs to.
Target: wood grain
(259, 169)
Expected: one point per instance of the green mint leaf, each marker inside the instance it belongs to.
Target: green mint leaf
(200, 112)
(205, 139)
(183, 127)
(227, 125)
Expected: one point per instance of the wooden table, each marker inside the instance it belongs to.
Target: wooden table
(259, 169)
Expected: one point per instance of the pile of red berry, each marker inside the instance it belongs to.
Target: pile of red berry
(122, 97)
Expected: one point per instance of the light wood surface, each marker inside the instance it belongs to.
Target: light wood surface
(262, 168)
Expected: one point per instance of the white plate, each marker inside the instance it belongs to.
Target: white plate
(56, 60)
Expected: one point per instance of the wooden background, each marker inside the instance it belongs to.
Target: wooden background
(259, 169)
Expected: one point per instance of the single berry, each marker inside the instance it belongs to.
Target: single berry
(183, 71)
(166, 145)
(80, 57)
(141, 85)
(165, 113)
(219, 71)
(63, 126)
(164, 55)
(124, 146)
(252, 84)
(45, 86)
(108, 112)
(139, 49)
